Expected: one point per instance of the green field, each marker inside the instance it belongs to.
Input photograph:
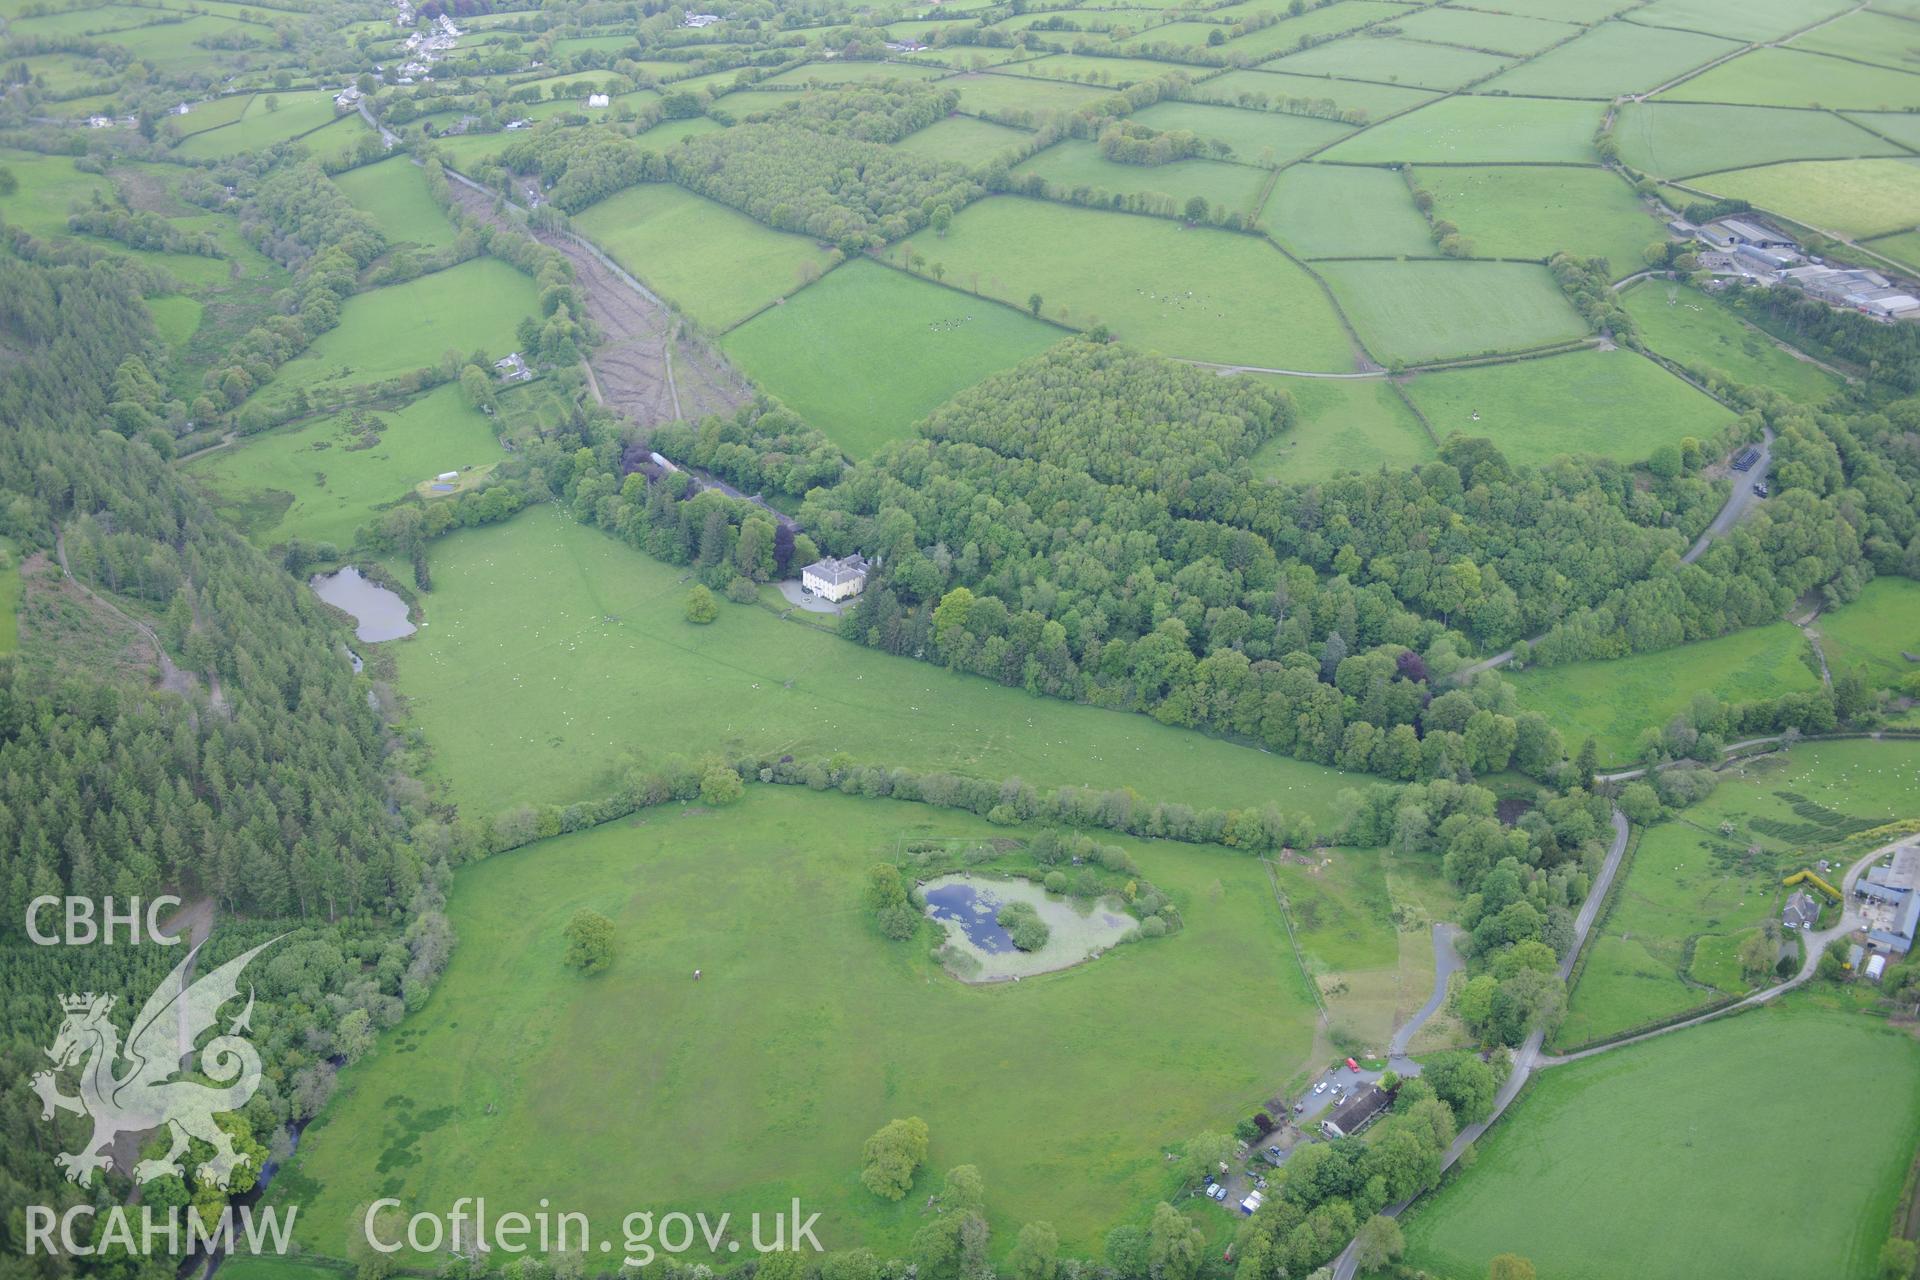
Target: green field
(1415, 311)
(1017, 95)
(868, 351)
(554, 653)
(1368, 57)
(202, 116)
(1316, 23)
(806, 1033)
(1688, 1158)
(1077, 165)
(1256, 87)
(1867, 36)
(1903, 247)
(1854, 198)
(49, 189)
(1615, 700)
(1753, 19)
(1504, 33)
(1611, 59)
(1784, 78)
(1200, 293)
(387, 332)
(321, 480)
(261, 125)
(963, 139)
(1613, 403)
(1343, 425)
(1257, 137)
(1516, 211)
(394, 193)
(1677, 139)
(1696, 331)
(714, 263)
(1901, 126)
(1336, 210)
(1870, 634)
(1464, 130)
(176, 316)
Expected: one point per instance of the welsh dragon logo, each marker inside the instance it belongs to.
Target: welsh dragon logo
(146, 1095)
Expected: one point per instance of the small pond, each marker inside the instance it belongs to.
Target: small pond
(966, 906)
(378, 613)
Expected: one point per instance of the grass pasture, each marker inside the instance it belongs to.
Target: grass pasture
(1736, 1190)
(1617, 404)
(1266, 138)
(963, 139)
(1679, 139)
(716, 264)
(1696, 331)
(1516, 211)
(1870, 634)
(1259, 86)
(202, 116)
(1316, 23)
(175, 316)
(1611, 59)
(387, 332)
(1505, 33)
(1463, 130)
(1785, 78)
(1200, 293)
(1855, 198)
(1415, 311)
(1395, 61)
(321, 480)
(1754, 19)
(1866, 36)
(1342, 425)
(49, 189)
(554, 652)
(807, 1032)
(394, 193)
(1021, 96)
(1334, 211)
(1109, 73)
(1903, 247)
(869, 351)
(1614, 701)
(260, 126)
(1077, 165)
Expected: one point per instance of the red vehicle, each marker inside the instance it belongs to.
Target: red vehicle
(1352, 1065)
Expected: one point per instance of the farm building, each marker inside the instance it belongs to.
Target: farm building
(1801, 911)
(513, 369)
(1357, 1112)
(597, 100)
(1741, 232)
(1875, 967)
(836, 579)
(699, 19)
(1892, 897)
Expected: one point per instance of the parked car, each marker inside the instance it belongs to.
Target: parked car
(1760, 489)
(1321, 1087)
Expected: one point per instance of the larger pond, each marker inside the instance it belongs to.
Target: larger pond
(980, 950)
(378, 613)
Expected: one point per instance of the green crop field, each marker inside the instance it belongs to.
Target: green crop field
(1613, 58)
(1689, 883)
(1200, 293)
(394, 193)
(1784, 78)
(1678, 139)
(387, 332)
(554, 653)
(1343, 425)
(1463, 130)
(1614, 701)
(1075, 165)
(262, 124)
(1258, 87)
(323, 479)
(1613, 403)
(1696, 331)
(806, 1033)
(966, 140)
(868, 351)
(1723, 1106)
(1516, 211)
(716, 264)
(1855, 198)
(1257, 137)
(1415, 311)
(1872, 634)
(1334, 211)
(1367, 57)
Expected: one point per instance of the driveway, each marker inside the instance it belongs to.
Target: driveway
(1738, 501)
(790, 590)
(1446, 961)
